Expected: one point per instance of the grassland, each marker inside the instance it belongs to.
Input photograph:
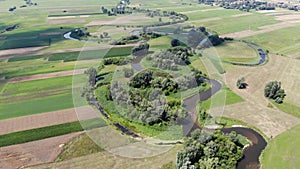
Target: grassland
(244, 23)
(283, 41)
(79, 146)
(282, 151)
(48, 63)
(212, 14)
(234, 52)
(50, 131)
(218, 99)
(38, 96)
(288, 108)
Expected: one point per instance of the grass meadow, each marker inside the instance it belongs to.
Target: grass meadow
(283, 41)
(283, 150)
(38, 96)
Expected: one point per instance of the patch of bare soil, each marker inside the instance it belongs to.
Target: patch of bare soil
(47, 119)
(46, 76)
(50, 33)
(73, 21)
(33, 153)
(61, 17)
(105, 160)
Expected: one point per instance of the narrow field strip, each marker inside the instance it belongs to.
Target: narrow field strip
(47, 119)
(46, 76)
(49, 131)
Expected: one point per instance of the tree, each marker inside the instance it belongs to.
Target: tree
(105, 34)
(175, 42)
(273, 91)
(92, 73)
(241, 84)
(142, 49)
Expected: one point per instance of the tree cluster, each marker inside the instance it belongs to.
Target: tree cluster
(209, 150)
(170, 59)
(87, 90)
(274, 91)
(80, 33)
(144, 101)
(142, 49)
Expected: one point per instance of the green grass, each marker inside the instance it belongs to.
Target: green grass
(36, 106)
(172, 133)
(283, 41)
(238, 23)
(288, 108)
(83, 55)
(212, 14)
(50, 131)
(163, 42)
(218, 99)
(236, 52)
(80, 146)
(283, 151)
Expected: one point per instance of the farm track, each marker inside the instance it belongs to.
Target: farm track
(47, 119)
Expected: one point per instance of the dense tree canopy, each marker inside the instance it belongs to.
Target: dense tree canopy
(274, 91)
(205, 150)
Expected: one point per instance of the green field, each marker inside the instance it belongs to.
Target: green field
(218, 99)
(234, 52)
(288, 108)
(31, 65)
(212, 14)
(50, 131)
(282, 41)
(77, 147)
(243, 22)
(33, 97)
(283, 151)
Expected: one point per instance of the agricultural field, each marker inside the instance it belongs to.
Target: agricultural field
(124, 84)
